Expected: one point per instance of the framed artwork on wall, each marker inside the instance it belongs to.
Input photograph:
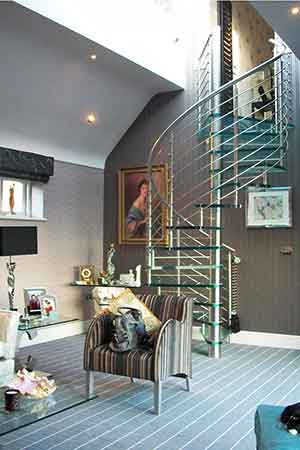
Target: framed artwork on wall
(133, 188)
(269, 207)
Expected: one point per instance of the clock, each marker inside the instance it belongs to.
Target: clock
(87, 274)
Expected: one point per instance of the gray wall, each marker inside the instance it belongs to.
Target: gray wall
(270, 295)
(71, 236)
(269, 280)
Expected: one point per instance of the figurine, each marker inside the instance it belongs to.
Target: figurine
(12, 198)
(11, 283)
(138, 271)
(110, 266)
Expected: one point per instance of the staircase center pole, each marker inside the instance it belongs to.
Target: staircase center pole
(215, 341)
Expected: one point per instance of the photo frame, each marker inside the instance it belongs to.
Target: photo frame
(269, 207)
(32, 299)
(48, 306)
(133, 185)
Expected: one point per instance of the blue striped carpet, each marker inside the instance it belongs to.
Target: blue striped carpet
(216, 415)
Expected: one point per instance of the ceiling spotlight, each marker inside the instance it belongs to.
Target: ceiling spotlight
(93, 57)
(91, 118)
(295, 10)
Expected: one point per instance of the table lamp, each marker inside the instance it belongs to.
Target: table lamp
(16, 241)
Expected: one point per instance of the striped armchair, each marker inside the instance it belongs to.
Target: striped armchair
(171, 354)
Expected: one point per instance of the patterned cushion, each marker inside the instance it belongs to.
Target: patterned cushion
(135, 364)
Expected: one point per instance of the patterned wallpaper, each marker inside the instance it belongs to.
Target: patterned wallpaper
(252, 33)
(250, 48)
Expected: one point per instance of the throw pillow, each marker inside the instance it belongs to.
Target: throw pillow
(127, 298)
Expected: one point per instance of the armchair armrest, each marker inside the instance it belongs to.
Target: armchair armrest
(172, 350)
(99, 333)
(165, 348)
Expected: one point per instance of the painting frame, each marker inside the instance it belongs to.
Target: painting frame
(140, 172)
(29, 293)
(269, 207)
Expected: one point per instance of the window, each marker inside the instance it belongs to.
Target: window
(21, 199)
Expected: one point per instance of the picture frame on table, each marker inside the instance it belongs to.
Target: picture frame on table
(48, 306)
(32, 300)
(269, 207)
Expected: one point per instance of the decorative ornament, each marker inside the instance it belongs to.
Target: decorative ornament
(11, 266)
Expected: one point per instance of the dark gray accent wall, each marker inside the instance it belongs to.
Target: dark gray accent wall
(72, 236)
(269, 281)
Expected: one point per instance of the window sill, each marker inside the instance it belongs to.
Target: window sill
(16, 217)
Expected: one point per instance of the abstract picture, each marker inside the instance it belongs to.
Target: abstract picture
(269, 207)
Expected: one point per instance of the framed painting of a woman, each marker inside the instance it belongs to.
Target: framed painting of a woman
(133, 204)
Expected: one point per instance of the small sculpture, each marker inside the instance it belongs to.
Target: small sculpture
(138, 271)
(11, 283)
(12, 198)
(110, 266)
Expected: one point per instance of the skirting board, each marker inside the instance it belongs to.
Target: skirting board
(260, 339)
(46, 334)
(266, 339)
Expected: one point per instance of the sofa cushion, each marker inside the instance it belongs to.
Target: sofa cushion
(4, 350)
(270, 432)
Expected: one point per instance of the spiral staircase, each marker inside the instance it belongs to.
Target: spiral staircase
(233, 139)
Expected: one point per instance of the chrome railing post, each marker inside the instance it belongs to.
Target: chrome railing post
(229, 274)
(150, 250)
(171, 175)
(214, 340)
(178, 241)
(235, 142)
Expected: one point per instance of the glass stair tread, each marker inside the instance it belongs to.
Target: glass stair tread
(210, 323)
(192, 227)
(187, 267)
(246, 133)
(188, 247)
(261, 166)
(260, 147)
(240, 186)
(186, 285)
(246, 122)
(218, 205)
(207, 304)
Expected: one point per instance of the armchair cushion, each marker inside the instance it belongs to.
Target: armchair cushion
(135, 363)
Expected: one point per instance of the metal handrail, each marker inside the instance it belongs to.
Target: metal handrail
(212, 95)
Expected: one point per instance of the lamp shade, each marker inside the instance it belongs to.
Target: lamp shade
(18, 241)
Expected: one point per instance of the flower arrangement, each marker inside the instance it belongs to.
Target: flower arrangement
(28, 383)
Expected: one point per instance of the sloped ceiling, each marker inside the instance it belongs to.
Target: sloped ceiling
(278, 15)
(48, 85)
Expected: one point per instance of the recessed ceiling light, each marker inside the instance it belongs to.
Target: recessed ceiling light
(93, 57)
(91, 118)
(295, 10)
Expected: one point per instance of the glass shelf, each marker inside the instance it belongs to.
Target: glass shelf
(40, 322)
(74, 284)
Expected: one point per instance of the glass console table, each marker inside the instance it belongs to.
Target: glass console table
(67, 395)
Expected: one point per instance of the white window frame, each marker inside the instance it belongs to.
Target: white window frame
(27, 200)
